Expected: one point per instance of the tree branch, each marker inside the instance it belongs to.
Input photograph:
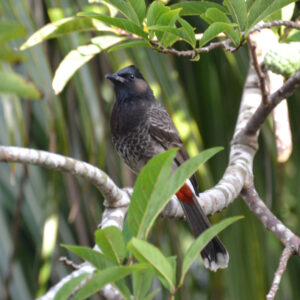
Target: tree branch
(286, 90)
(275, 23)
(258, 207)
(285, 256)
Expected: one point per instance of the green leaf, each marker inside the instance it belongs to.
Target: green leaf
(238, 10)
(167, 19)
(213, 30)
(78, 57)
(151, 193)
(123, 288)
(10, 30)
(132, 9)
(139, 8)
(147, 201)
(12, 83)
(142, 282)
(129, 44)
(189, 31)
(64, 26)
(155, 10)
(109, 275)
(198, 245)
(151, 295)
(179, 32)
(261, 9)
(214, 15)
(110, 240)
(146, 252)
(187, 169)
(196, 7)
(96, 258)
(122, 23)
(294, 36)
(66, 290)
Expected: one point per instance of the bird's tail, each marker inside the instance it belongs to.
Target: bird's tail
(215, 255)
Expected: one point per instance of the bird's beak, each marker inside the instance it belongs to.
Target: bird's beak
(114, 78)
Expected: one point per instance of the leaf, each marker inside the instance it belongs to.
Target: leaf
(106, 276)
(142, 282)
(78, 57)
(11, 30)
(238, 10)
(65, 26)
(196, 7)
(110, 240)
(96, 258)
(213, 30)
(151, 193)
(147, 253)
(155, 10)
(123, 288)
(179, 32)
(167, 19)
(261, 9)
(129, 44)
(147, 201)
(66, 290)
(187, 169)
(122, 23)
(13, 83)
(189, 31)
(151, 295)
(139, 7)
(198, 245)
(214, 15)
(128, 9)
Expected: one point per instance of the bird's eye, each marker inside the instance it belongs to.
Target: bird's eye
(131, 76)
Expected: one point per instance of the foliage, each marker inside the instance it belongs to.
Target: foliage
(203, 99)
(158, 26)
(11, 82)
(151, 194)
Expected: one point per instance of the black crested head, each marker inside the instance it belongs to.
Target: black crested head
(129, 83)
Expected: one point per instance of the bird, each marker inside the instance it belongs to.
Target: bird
(142, 128)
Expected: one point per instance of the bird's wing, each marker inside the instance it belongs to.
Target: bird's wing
(163, 131)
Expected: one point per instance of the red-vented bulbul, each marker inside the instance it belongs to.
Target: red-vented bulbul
(142, 128)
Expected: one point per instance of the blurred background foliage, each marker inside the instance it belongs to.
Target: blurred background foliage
(39, 209)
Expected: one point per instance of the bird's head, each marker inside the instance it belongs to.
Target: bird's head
(129, 82)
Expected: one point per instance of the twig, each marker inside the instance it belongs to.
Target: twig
(275, 23)
(192, 53)
(69, 263)
(285, 256)
(259, 72)
(257, 206)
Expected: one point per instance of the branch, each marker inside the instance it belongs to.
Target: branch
(285, 256)
(258, 207)
(192, 53)
(286, 90)
(258, 70)
(275, 23)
